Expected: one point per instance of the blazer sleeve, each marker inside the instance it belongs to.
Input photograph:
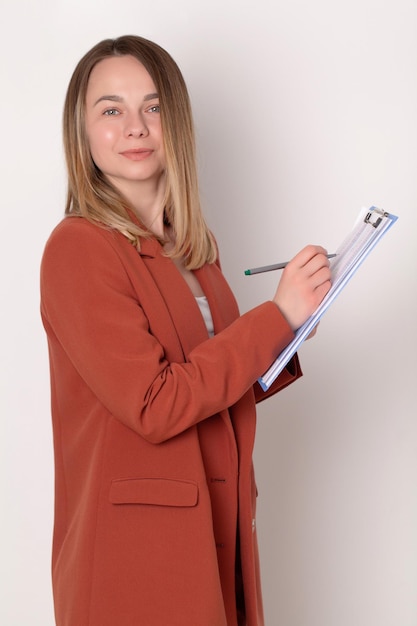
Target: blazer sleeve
(289, 374)
(94, 322)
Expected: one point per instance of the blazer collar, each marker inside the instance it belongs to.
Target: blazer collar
(149, 248)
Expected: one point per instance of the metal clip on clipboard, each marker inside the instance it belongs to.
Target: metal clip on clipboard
(374, 217)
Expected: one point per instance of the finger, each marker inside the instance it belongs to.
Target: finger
(307, 254)
(320, 276)
(316, 264)
(321, 291)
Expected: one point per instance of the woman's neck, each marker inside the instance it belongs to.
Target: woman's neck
(147, 201)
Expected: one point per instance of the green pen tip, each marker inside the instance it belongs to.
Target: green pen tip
(247, 272)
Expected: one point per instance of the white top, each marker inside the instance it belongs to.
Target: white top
(206, 313)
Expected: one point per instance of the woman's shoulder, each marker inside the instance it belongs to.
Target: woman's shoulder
(76, 226)
(74, 232)
(75, 241)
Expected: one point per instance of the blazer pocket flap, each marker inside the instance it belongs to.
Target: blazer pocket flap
(157, 491)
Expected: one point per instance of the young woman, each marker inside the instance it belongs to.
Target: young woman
(153, 371)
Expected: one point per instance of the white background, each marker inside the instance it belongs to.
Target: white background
(305, 112)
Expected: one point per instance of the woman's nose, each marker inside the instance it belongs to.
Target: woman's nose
(136, 126)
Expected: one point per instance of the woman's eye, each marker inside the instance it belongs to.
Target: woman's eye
(154, 108)
(111, 112)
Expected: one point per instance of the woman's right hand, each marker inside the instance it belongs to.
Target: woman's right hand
(304, 283)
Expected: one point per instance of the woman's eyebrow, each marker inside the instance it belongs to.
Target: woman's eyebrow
(111, 98)
(114, 98)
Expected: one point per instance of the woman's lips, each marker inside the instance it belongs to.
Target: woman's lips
(137, 155)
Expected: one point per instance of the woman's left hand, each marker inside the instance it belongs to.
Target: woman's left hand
(313, 332)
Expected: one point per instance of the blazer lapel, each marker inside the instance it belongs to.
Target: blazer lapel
(223, 306)
(180, 303)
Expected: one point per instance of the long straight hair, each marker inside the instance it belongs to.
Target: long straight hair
(92, 196)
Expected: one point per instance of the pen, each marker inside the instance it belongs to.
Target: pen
(277, 266)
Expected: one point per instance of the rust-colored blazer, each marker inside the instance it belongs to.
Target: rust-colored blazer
(154, 427)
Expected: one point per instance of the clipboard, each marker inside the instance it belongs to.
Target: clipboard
(369, 228)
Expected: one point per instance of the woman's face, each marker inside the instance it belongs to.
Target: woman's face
(123, 124)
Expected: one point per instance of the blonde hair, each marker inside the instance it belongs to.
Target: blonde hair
(92, 196)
